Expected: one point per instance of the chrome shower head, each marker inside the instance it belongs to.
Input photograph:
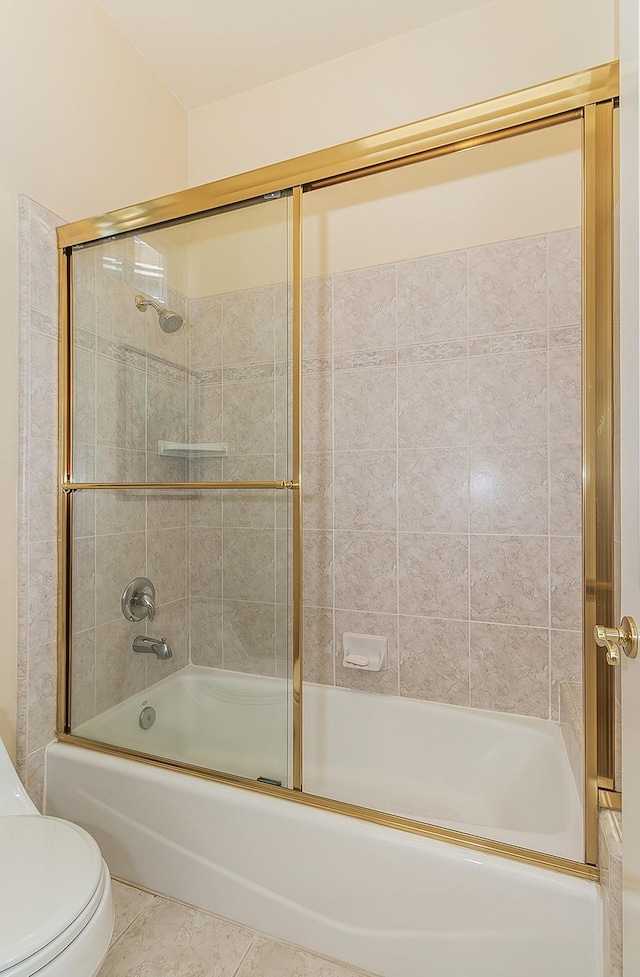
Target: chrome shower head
(169, 321)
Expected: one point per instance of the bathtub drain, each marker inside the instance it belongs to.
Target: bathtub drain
(147, 717)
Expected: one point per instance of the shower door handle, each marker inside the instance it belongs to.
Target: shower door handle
(613, 639)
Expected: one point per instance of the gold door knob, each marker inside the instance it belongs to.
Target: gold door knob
(613, 639)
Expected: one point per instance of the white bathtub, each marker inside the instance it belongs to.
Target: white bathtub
(502, 777)
(381, 899)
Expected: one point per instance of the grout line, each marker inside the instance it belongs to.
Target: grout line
(243, 959)
(334, 642)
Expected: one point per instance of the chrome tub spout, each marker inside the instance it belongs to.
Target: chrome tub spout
(152, 646)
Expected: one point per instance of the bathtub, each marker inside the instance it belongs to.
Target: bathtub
(507, 778)
(396, 904)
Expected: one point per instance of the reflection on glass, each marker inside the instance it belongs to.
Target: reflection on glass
(208, 649)
(180, 346)
(442, 476)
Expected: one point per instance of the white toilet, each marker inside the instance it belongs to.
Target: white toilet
(56, 907)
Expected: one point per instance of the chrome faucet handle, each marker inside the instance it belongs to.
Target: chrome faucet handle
(139, 600)
(143, 600)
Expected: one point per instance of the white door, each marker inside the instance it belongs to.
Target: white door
(630, 469)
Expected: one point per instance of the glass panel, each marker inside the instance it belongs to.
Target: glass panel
(195, 388)
(212, 687)
(442, 491)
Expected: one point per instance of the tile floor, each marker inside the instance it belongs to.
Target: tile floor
(157, 937)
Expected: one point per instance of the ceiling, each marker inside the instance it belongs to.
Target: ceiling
(205, 50)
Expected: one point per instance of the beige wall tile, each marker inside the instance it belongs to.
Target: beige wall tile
(433, 575)
(43, 494)
(122, 512)
(509, 669)
(42, 590)
(364, 309)
(507, 286)
(205, 414)
(84, 583)
(204, 335)
(565, 394)
(248, 635)
(248, 417)
(166, 411)
(566, 664)
(365, 490)
(84, 393)
(119, 558)
(432, 298)
(508, 398)
(509, 580)
(566, 582)
(317, 434)
(205, 562)
(120, 672)
(249, 565)
(170, 623)
(564, 249)
(167, 563)
(365, 409)
(434, 660)
(565, 489)
(41, 716)
(365, 571)
(205, 631)
(433, 490)
(83, 677)
(433, 404)
(43, 386)
(317, 489)
(120, 405)
(318, 645)
(316, 312)
(509, 489)
(318, 568)
(248, 326)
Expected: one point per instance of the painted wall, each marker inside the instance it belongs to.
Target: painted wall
(75, 97)
(497, 48)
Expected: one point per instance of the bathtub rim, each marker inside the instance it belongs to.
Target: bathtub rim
(564, 866)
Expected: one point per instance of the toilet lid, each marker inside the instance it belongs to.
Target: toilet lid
(49, 870)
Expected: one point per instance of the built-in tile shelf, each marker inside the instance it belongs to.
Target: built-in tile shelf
(176, 449)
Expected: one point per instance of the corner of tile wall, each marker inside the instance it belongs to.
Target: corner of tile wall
(610, 856)
(37, 498)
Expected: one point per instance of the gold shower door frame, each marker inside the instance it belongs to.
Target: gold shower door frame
(589, 96)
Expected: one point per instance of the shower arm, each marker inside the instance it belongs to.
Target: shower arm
(142, 303)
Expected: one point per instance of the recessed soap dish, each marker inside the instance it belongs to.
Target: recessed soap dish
(366, 652)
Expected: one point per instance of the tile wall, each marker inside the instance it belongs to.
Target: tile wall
(131, 389)
(238, 539)
(37, 514)
(442, 474)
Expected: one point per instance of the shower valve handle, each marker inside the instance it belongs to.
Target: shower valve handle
(139, 600)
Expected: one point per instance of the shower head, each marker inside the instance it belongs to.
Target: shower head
(169, 321)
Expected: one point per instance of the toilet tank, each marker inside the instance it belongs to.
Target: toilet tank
(13, 797)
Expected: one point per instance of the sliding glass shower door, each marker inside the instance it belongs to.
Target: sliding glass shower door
(179, 496)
